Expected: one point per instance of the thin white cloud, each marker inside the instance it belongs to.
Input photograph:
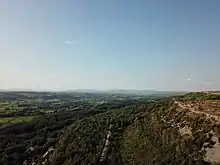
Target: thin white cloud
(208, 83)
(69, 42)
(189, 78)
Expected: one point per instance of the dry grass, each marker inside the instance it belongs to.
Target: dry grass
(211, 107)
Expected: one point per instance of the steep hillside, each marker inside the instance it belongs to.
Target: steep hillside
(153, 133)
(183, 130)
(172, 135)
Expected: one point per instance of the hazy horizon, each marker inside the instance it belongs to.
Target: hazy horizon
(96, 90)
(110, 45)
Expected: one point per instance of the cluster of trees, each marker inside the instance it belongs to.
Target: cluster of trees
(84, 141)
(41, 133)
(139, 136)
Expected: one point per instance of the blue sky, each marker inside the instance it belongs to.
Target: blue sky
(110, 44)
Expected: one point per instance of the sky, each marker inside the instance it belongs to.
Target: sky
(110, 44)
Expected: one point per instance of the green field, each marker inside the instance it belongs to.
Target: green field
(15, 120)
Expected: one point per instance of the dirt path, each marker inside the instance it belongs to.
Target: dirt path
(217, 118)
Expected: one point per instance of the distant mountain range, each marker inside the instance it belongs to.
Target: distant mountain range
(113, 91)
(129, 91)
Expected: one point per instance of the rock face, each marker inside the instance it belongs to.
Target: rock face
(212, 149)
